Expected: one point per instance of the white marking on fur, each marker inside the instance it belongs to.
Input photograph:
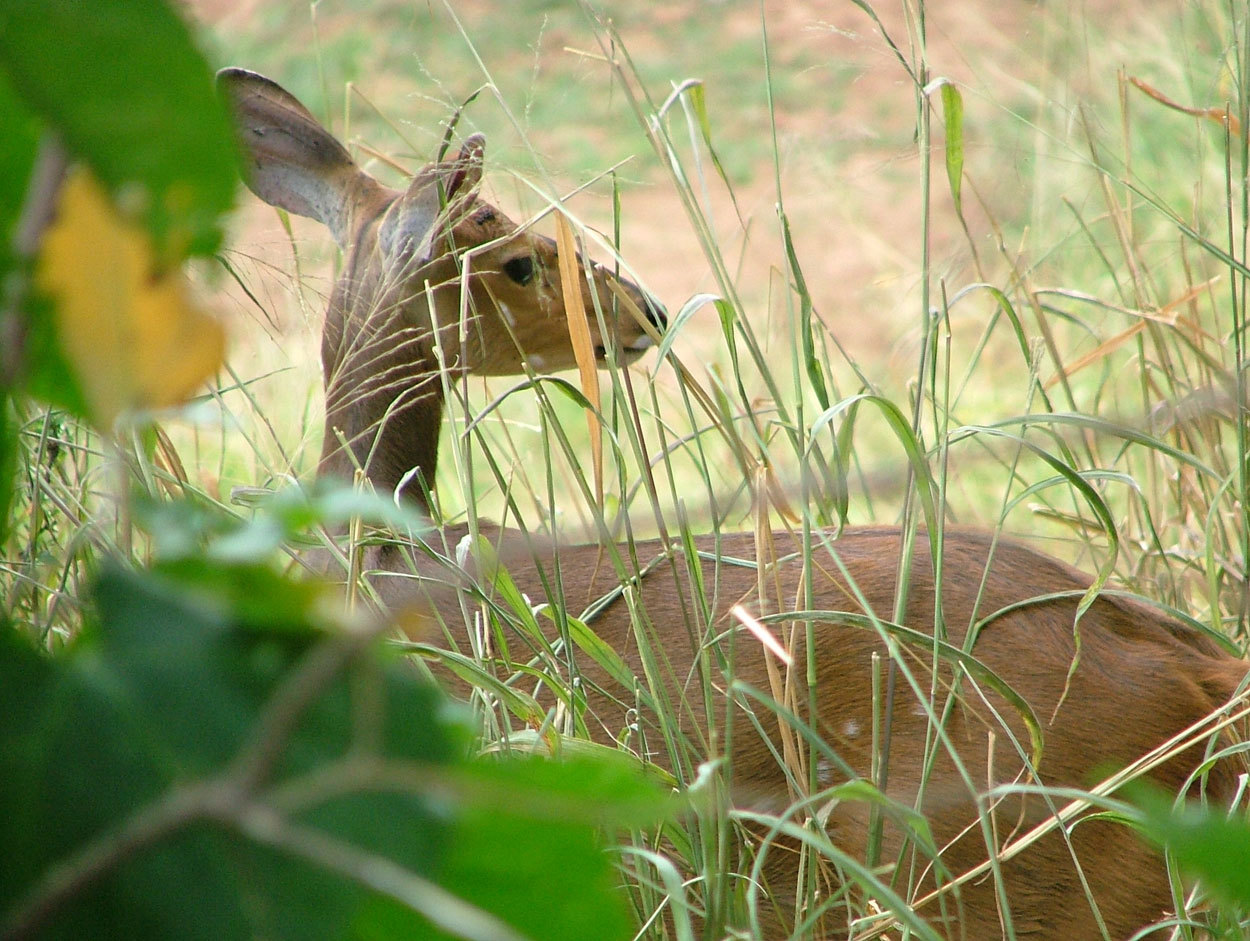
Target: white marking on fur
(824, 772)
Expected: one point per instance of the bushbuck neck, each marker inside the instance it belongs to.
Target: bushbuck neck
(436, 282)
(437, 279)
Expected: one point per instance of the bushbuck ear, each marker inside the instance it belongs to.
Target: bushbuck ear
(407, 232)
(290, 160)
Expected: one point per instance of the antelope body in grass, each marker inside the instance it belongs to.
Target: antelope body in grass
(419, 261)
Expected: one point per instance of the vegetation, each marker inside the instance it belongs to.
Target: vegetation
(191, 744)
(1008, 277)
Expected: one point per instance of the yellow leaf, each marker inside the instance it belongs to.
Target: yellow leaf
(132, 336)
(571, 276)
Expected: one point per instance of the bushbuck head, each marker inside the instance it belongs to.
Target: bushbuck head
(435, 278)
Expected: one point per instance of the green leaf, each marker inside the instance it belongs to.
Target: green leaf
(353, 812)
(953, 114)
(181, 529)
(1205, 842)
(42, 369)
(71, 768)
(46, 373)
(163, 692)
(546, 842)
(124, 85)
(520, 704)
(8, 465)
(725, 313)
(597, 649)
(18, 146)
(694, 304)
(901, 426)
(811, 365)
(559, 384)
(698, 99)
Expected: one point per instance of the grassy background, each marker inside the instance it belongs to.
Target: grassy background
(1072, 182)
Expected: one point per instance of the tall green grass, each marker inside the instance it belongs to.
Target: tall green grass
(1061, 356)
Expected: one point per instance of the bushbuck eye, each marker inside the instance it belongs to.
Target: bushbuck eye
(520, 270)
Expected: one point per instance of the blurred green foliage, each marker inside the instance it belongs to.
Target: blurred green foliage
(213, 754)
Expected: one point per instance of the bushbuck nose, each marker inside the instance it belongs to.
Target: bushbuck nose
(656, 314)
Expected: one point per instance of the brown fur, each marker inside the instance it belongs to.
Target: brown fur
(1141, 677)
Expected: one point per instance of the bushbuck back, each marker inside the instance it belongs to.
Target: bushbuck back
(435, 278)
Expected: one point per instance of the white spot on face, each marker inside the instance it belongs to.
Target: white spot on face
(850, 728)
(508, 315)
(537, 362)
(644, 342)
